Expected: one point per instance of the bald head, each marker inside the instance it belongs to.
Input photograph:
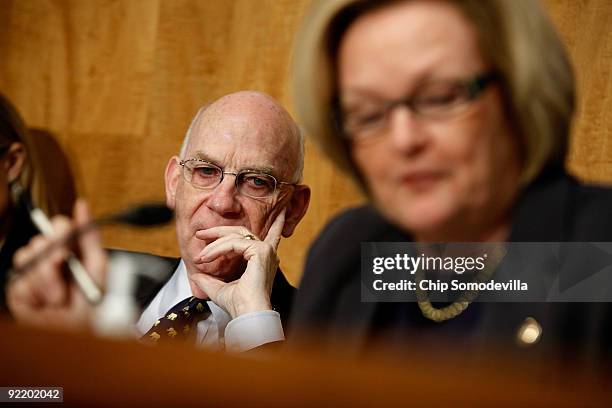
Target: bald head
(258, 120)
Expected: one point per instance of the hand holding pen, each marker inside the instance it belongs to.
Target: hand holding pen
(41, 295)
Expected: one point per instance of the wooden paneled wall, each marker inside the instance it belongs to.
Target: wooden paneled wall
(117, 82)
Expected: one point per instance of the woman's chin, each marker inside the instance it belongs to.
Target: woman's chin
(422, 221)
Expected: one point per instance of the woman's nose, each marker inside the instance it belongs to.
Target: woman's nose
(406, 133)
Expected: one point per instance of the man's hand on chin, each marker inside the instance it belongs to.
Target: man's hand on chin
(251, 292)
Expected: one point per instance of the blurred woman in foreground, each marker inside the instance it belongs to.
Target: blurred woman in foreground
(453, 116)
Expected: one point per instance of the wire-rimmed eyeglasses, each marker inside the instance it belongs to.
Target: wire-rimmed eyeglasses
(252, 183)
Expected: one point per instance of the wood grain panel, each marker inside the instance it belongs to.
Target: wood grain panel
(117, 82)
(585, 27)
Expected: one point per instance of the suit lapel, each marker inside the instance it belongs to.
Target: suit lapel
(540, 213)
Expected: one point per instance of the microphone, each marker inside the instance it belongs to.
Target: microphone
(143, 215)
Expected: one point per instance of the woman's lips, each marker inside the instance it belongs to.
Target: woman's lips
(421, 179)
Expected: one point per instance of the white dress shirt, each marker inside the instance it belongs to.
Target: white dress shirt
(219, 331)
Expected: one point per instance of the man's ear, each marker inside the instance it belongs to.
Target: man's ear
(296, 209)
(172, 177)
(15, 160)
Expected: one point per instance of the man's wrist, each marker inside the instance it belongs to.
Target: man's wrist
(253, 330)
(250, 307)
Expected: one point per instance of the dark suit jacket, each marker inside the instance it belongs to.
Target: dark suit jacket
(555, 208)
(281, 298)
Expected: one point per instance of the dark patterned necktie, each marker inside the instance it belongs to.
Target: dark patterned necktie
(179, 322)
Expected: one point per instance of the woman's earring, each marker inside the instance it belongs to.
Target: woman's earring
(16, 191)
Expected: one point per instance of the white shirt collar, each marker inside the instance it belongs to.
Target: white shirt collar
(175, 290)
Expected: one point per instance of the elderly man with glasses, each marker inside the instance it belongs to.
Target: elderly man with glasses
(235, 190)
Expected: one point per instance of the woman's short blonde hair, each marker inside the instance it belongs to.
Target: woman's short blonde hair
(515, 36)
